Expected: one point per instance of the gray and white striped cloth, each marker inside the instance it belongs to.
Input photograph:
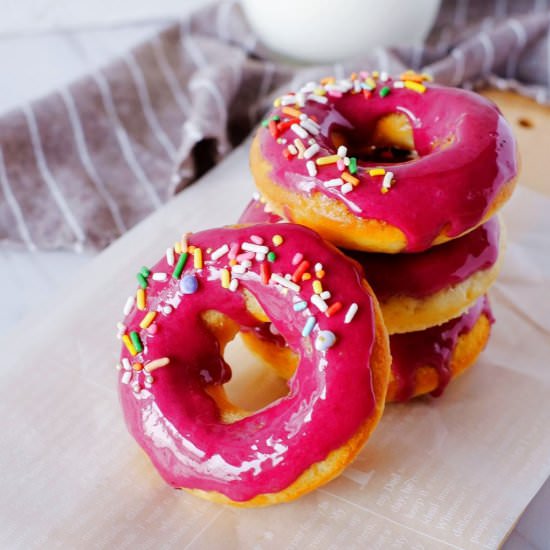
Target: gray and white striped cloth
(84, 164)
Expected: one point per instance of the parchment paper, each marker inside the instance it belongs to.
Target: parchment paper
(451, 472)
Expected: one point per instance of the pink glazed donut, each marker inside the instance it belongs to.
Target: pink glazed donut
(171, 375)
(385, 165)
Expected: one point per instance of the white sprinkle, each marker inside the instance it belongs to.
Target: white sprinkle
(346, 188)
(148, 380)
(384, 76)
(399, 84)
(342, 151)
(246, 263)
(136, 387)
(325, 294)
(325, 340)
(319, 303)
(159, 276)
(317, 98)
(309, 86)
(292, 149)
(299, 131)
(256, 248)
(318, 267)
(126, 364)
(310, 151)
(233, 285)
(388, 180)
(128, 305)
(310, 126)
(284, 282)
(350, 314)
(167, 310)
(238, 269)
(126, 377)
(346, 161)
(311, 168)
(300, 99)
(256, 239)
(288, 100)
(336, 182)
(170, 256)
(219, 252)
(260, 257)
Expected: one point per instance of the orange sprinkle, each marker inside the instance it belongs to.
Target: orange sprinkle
(291, 111)
(137, 366)
(306, 276)
(349, 178)
(320, 274)
(265, 272)
(300, 270)
(328, 80)
(334, 308)
(233, 262)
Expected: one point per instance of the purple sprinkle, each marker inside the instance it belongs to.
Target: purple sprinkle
(189, 284)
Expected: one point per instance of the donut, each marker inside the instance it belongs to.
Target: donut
(385, 165)
(422, 362)
(421, 290)
(191, 303)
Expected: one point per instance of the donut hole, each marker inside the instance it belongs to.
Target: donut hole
(388, 140)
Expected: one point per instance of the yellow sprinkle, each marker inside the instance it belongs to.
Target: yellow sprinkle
(330, 159)
(370, 82)
(148, 319)
(349, 178)
(320, 91)
(375, 74)
(377, 172)
(128, 343)
(317, 287)
(226, 278)
(415, 86)
(197, 258)
(140, 299)
(277, 102)
(320, 274)
(290, 111)
(157, 363)
(306, 276)
(277, 240)
(177, 247)
(384, 190)
(137, 366)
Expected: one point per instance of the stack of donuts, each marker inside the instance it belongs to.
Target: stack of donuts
(359, 273)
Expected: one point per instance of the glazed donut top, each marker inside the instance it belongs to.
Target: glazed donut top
(316, 300)
(416, 275)
(465, 152)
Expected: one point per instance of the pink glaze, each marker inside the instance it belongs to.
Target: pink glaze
(432, 347)
(330, 396)
(466, 155)
(417, 275)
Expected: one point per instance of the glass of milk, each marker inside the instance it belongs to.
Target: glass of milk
(319, 31)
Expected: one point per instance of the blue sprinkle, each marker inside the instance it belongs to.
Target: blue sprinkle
(299, 306)
(189, 284)
(308, 327)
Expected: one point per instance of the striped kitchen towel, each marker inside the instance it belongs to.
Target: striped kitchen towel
(84, 164)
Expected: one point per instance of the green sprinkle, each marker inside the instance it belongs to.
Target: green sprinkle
(352, 165)
(141, 280)
(145, 271)
(276, 118)
(265, 123)
(136, 340)
(180, 265)
(384, 91)
(271, 257)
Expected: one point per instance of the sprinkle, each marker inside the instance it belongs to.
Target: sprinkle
(136, 340)
(272, 125)
(385, 91)
(370, 83)
(330, 159)
(325, 340)
(311, 168)
(219, 252)
(167, 310)
(233, 251)
(290, 111)
(284, 282)
(265, 273)
(342, 151)
(140, 299)
(271, 257)
(388, 181)
(153, 329)
(189, 284)
(233, 285)
(148, 319)
(128, 305)
(129, 345)
(126, 364)
(310, 126)
(415, 86)
(238, 269)
(384, 77)
(126, 377)
(298, 257)
(299, 131)
(398, 84)
(136, 387)
(245, 256)
(341, 165)
(137, 366)
(308, 327)
(326, 295)
(142, 280)
(121, 329)
(319, 303)
(159, 276)
(334, 308)
(184, 243)
(311, 150)
(349, 178)
(320, 274)
(176, 274)
(225, 278)
(300, 270)
(299, 306)
(352, 165)
(377, 172)
(260, 257)
(156, 364)
(350, 314)
(145, 271)
(300, 146)
(318, 266)
(318, 98)
(317, 287)
(306, 276)
(256, 239)
(197, 258)
(177, 247)
(277, 240)
(255, 248)
(148, 380)
(346, 188)
(170, 256)
(336, 182)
